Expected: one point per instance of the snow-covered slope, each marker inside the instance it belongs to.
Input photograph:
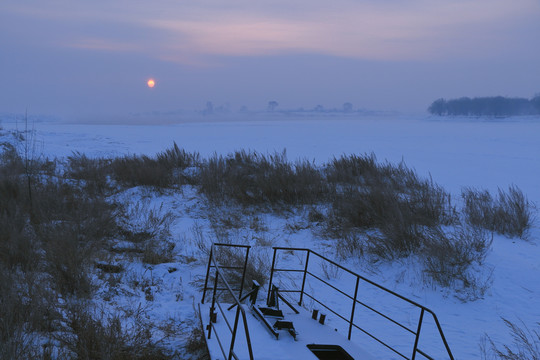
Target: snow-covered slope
(455, 152)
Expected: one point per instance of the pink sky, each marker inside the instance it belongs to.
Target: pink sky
(71, 57)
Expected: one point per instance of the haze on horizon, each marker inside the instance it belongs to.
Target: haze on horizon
(78, 59)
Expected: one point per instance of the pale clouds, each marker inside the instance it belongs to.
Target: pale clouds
(382, 30)
(86, 56)
(365, 30)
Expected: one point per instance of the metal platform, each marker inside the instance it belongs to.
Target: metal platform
(266, 346)
(239, 326)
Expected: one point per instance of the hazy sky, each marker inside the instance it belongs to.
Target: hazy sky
(80, 58)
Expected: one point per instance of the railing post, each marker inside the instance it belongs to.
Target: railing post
(213, 313)
(418, 334)
(235, 328)
(240, 310)
(244, 273)
(442, 336)
(254, 292)
(271, 276)
(207, 274)
(353, 307)
(248, 338)
(304, 279)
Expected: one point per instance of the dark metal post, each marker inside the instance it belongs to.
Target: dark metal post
(273, 300)
(254, 292)
(304, 279)
(443, 337)
(235, 327)
(418, 334)
(207, 274)
(213, 307)
(248, 338)
(353, 307)
(244, 273)
(271, 276)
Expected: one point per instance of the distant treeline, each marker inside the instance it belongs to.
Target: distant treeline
(486, 106)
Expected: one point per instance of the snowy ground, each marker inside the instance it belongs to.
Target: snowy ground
(455, 152)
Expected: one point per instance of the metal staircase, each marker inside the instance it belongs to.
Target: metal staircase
(233, 331)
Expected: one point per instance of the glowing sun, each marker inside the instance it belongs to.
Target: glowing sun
(151, 83)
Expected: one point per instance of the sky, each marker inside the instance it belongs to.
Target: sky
(78, 58)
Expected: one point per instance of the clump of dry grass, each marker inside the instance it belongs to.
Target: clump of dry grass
(101, 336)
(386, 211)
(250, 178)
(196, 344)
(162, 171)
(510, 213)
(525, 345)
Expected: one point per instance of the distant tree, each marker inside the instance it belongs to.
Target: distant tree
(209, 108)
(318, 108)
(347, 107)
(498, 106)
(438, 107)
(486, 106)
(465, 105)
(452, 107)
(272, 105)
(535, 102)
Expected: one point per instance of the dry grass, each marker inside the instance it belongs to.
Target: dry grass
(148, 228)
(196, 344)
(525, 345)
(250, 178)
(52, 229)
(15, 343)
(165, 170)
(92, 173)
(386, 211)
(99, 336)
(449, 257)
(510, 213)
(399, 211)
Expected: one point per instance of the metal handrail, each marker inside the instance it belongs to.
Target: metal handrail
(351, 323)
(239, 308)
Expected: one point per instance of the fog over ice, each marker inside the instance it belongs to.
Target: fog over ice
(93, 59)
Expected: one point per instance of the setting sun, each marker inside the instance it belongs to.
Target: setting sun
(151, 83)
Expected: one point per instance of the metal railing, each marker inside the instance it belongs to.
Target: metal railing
(355, 301)
(220, 276)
